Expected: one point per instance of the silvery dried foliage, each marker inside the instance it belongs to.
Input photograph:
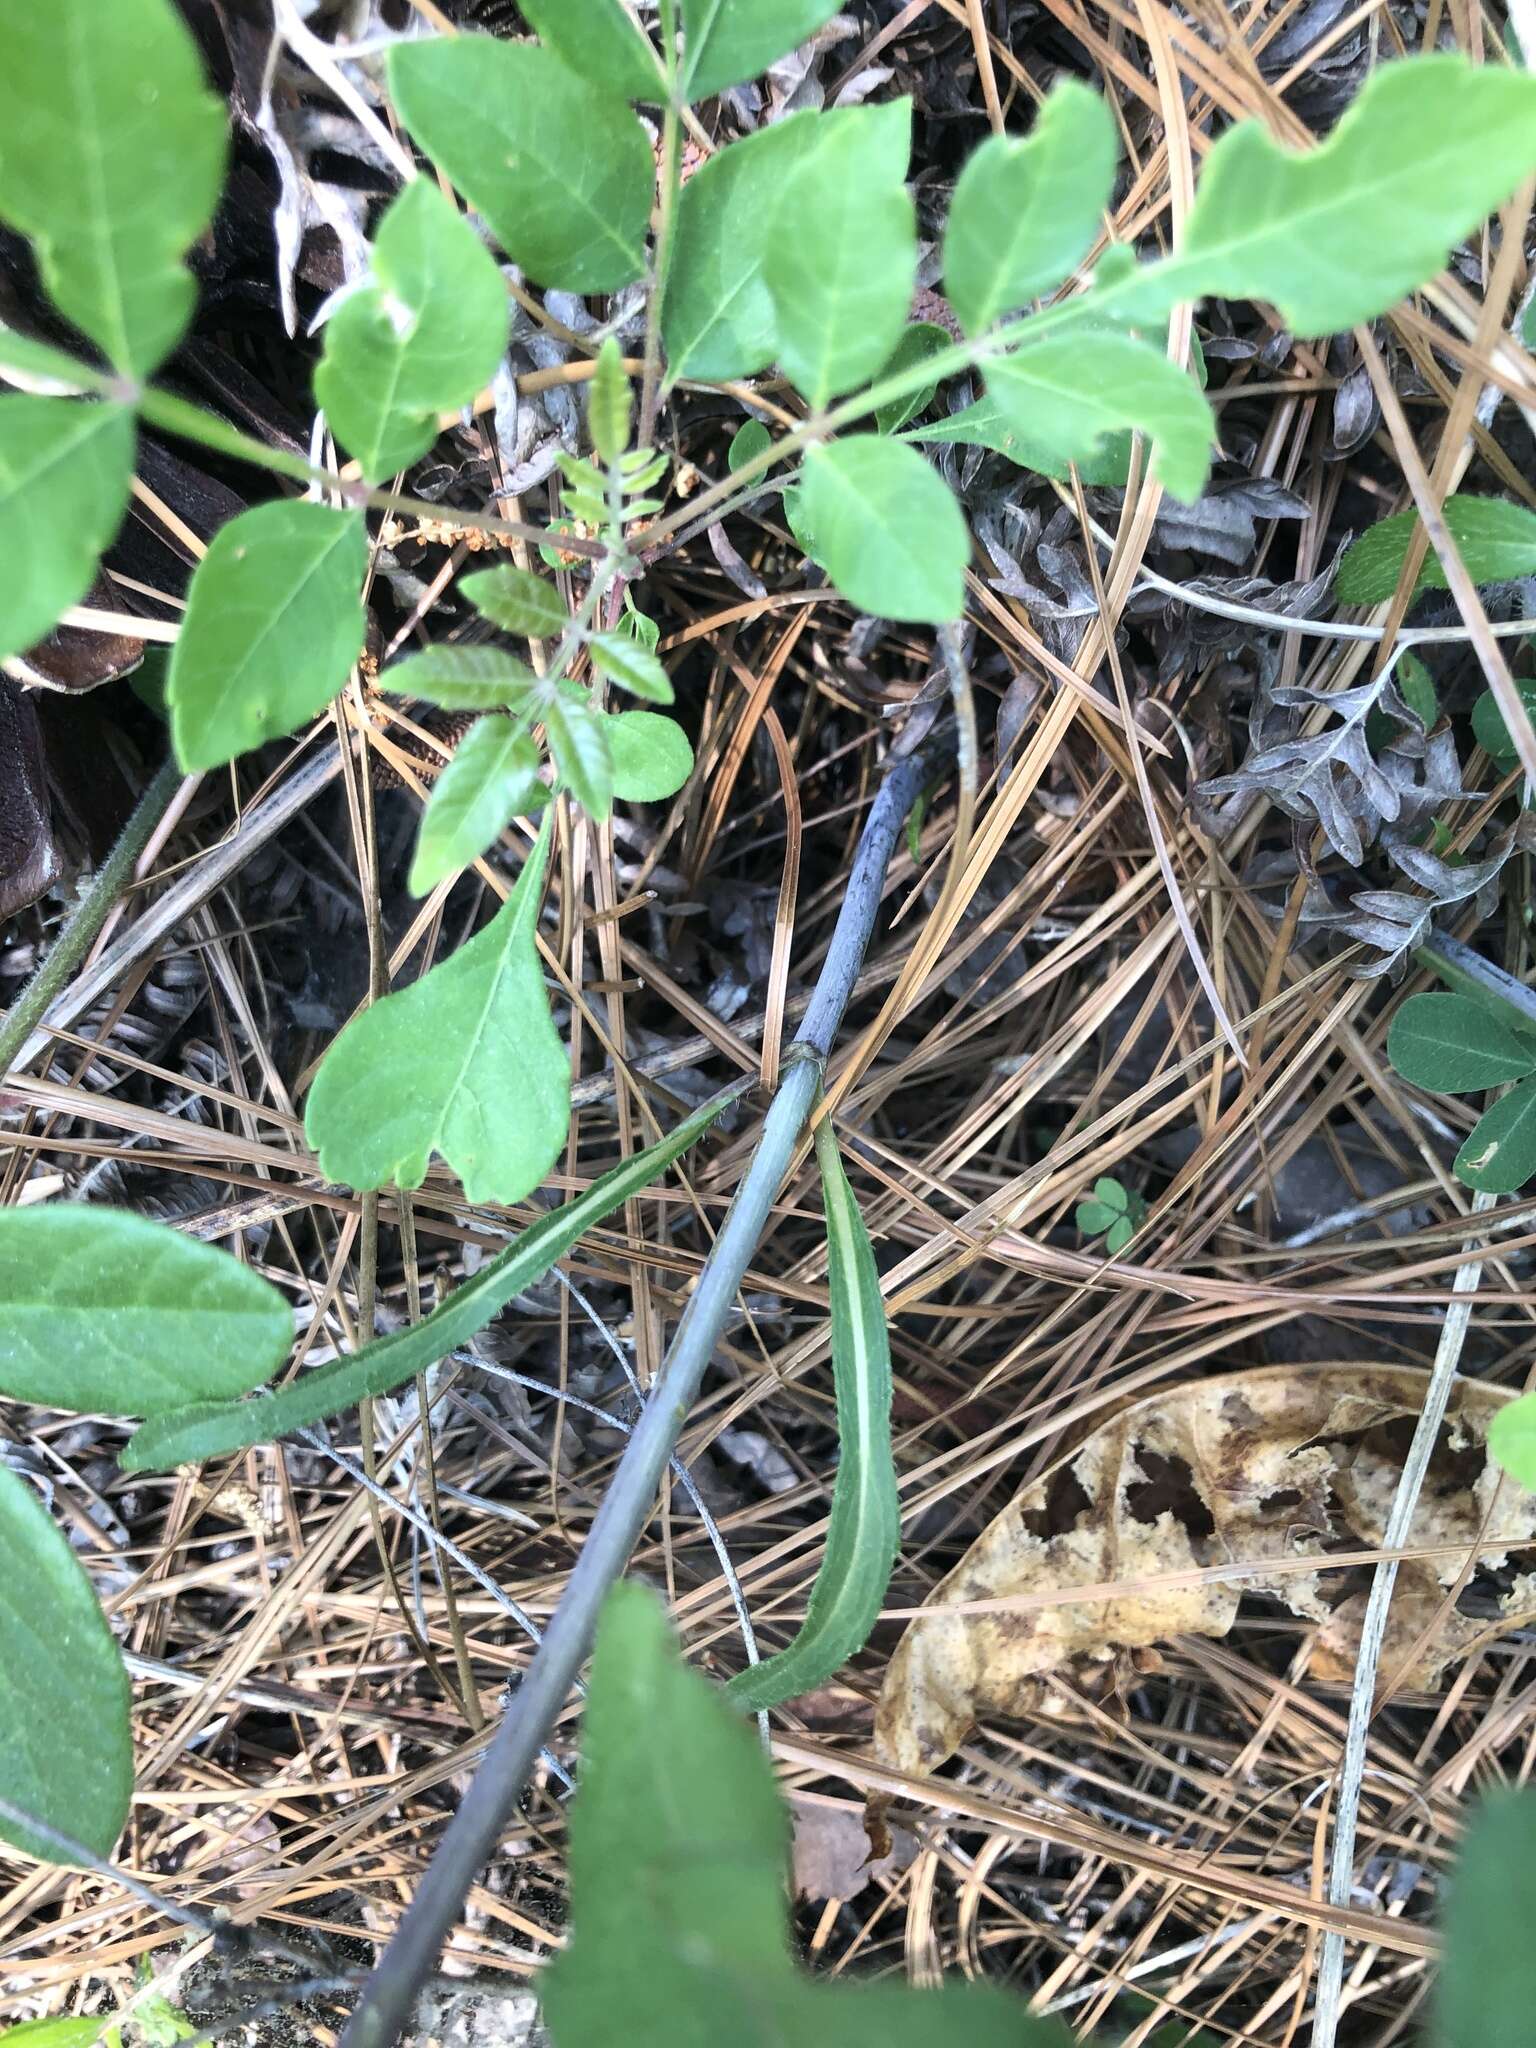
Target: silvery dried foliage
(1194, 632)
(1223, 522)
(1044, 566)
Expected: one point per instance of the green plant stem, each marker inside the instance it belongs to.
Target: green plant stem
(385, 2006)
(671, 137)
(87, 918)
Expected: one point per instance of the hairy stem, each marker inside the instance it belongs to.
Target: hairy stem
(388, 1997)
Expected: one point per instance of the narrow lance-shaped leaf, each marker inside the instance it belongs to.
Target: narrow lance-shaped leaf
(608, 403)
(1025, 212)
(1068, 393)
(650, 755)
(1499, 1155)
(728, 41)
(516, 600)
(422, 336)
(1338, 234)
(579, 743)
(273, 624)
(864, 1527)
(105, 1310)
(562, 173)
(207, 1430)
(66, 1745)
(65, 470)
(603, 43)
(466, 1062)
(841, 259)
(885, 528)
(1456, 1043)
(492, 779)
(1494, 537)
(111, 158)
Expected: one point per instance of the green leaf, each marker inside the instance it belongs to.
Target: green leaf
(66, 1744)
(1093, 1218)
(841, 260)
(492, 779)
(634, 668)
(1500, 1154)
(1496, 540)
(679, 1908)
(21, 354)
(1488, 723)
(466, 1062)
(717, 319)
(1069, 393)
(1512, 1440)
(111, 159)
(727, 41)
(1025, 214)
(1121, 1231)
(886, 529)
(105, 1310)
(72, 2031)
(462, 678)
(864, 1526)
(650, 754)
(919, 341)
(208, 1430)
(1335, 235)
(608, 403)
(602, 43)
(562, 173)
(579, 742)
(273, 624)
(517, 601)
(988, 424)
(422, 336)
(746, 443)
(1487, 1981)
(1454, 1044)
(65, 469)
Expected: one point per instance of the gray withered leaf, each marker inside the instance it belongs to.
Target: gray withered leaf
(1391, 922)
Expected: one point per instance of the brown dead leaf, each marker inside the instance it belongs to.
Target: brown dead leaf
(1292, 1462)
(833, 1852)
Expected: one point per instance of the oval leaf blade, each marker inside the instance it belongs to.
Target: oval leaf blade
(650, 754)
(422, 336)
(492, 779)
(1495, 538)
(621, 658)
(561, 173)
(864, 1527)
(65, 469)
(603, 43)
(466, 1062)
(885, 528)
(1499, 1155)
(107, 1310)
(462, 678)
(516, 600)
(66, 1742)
(725, 42)
(274, 622)
(1453, 1043)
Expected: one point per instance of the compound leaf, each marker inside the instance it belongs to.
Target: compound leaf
(1452, 1043)
(492, 779)
(207, 1430)
(603, 43)
(1499, 1155)
(885, 528)
(65, 469)
(111, 158)
(422, 336)
(1025, 212)
(109, 1311)
(562, 172)
(1494, 537)
(650, 755)
(273, 624)
(841, 259)
(66, 1743)
(1068, 394)
(462, 678)
(727, 41)
(466, 1062)
(864, 1526)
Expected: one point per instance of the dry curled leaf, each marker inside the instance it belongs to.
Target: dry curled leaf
(1265, 1467)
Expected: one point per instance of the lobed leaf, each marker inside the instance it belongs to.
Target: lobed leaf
(726, 41)
(603, 43)
(1499, 1154)
(66, 1742)
(1454, 1044)
(208, 1430)
(620, 658)
(65, 471)
(561, 172)
(841, 258)
(1068, 394)
(422, 336)
(463, 678)
(885, 528)
(1495, 538)
(109, 1311)
(466, 1062)
(1025, 213)
(650, 755)
(864, 1525)
(273, 624)
(111, 157)
(492, 779)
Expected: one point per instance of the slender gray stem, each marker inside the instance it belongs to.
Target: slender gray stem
(87, 917)
(390, 1994)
